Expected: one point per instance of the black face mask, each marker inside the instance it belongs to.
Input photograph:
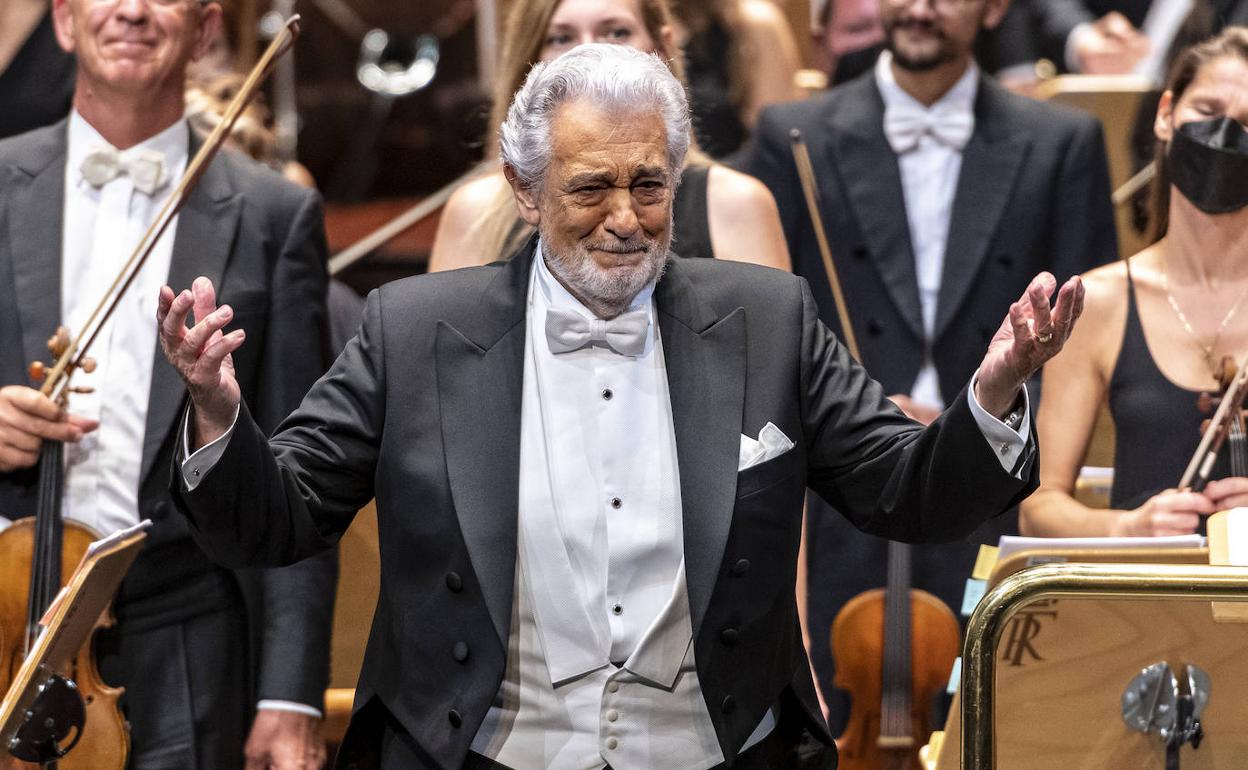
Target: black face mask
(1208, 162)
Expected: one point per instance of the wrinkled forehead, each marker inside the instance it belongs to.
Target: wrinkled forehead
(585, 136)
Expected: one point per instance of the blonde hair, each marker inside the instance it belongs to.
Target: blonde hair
(524, 37)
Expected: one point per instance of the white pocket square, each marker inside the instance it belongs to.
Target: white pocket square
(771, 443)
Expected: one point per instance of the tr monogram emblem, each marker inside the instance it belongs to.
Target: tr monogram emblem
(1023, 630)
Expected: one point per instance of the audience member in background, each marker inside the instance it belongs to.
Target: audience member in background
(740, 56)
(718, 212)
(1110, 37)
(36, 76)
(942, 194)
(1158, 325)
(847, 39)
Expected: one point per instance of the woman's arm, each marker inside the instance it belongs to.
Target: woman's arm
(744, 220)
(773, 59)
(1075, 384)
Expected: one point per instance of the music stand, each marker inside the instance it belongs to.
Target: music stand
(1063, 666)
(36, 713)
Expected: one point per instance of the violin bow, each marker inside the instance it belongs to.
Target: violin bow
(56, 381)
(806, 173)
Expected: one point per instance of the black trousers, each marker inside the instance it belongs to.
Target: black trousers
(186, 689)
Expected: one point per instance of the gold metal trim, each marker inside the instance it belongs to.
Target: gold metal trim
(1047, 581)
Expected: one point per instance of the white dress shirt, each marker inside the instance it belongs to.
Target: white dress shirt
(929, 180)
(101, 228)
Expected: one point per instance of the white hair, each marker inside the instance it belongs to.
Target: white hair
(613, 77)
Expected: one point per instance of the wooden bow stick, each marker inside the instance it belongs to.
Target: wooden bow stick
(74, 354)
(806, 173)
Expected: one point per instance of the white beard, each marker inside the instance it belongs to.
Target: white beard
(612, 289)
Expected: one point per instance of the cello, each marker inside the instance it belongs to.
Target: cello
(36, 554)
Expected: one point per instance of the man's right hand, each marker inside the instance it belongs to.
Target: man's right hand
(27, 417)
(201, 355)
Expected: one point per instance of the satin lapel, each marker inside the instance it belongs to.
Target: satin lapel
(868, 168)
(990, 165)
(35, 240)
(480, 371)
(705, 359)
(202, 246)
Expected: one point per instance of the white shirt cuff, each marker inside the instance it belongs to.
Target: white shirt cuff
(1006, 442)
(196, 466)
(289, 705)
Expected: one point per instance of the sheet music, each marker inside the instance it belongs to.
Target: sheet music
(105, 543)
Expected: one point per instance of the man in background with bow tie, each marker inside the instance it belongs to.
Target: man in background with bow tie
(590, 461)
(197, 648)
(942, 195)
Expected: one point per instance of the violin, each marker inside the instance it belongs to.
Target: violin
(894, 648)
(1225, 427)
(38, 554)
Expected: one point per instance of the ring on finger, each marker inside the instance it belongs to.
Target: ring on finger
(1044, 337)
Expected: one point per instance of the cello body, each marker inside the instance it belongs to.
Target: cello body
(858, 646)
(105, 742)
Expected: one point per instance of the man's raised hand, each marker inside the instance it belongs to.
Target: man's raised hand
(201, 354)
(1032, 333)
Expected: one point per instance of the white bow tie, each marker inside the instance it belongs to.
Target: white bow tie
(904, 124)
(144, 166)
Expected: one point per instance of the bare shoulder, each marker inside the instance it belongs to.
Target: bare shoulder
(763, 17)
(1098, 332)
(457, 242)
(744, 220)
(737, 194)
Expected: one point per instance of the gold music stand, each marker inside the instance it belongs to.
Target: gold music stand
(1052, 650)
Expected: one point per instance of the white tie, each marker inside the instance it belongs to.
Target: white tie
(144, 166)
(906, 123)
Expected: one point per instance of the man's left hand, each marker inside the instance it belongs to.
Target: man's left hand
(284, 740)
(1032, 333)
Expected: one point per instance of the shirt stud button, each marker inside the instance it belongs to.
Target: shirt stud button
(612, 743)
(607, 394)
(613, 687)
(617, 609)
(613, 715)
(616, 502)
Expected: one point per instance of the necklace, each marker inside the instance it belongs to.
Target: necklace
(1206, 350)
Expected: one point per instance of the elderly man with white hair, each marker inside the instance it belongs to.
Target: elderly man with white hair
(589, 464)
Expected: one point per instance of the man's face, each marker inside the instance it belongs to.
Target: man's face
(135, 46)
(605, 210)
(923, 34)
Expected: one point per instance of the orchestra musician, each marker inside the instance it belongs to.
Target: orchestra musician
(1160, 323)
(587, 558)
(942, 195)
(719, 212)
(199, 649)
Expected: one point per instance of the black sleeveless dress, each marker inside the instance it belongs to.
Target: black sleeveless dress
(691, 230)
(1157, 423)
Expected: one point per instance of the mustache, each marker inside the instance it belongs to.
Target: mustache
(908, 22)
(623, 247)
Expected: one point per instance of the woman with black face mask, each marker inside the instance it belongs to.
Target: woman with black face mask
(1156, 327)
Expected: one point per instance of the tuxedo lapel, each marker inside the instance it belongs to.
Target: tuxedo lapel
(202, 246)
(35, 239)
(480, 372)
(990, 165)
(867, 166)
(705, 359)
